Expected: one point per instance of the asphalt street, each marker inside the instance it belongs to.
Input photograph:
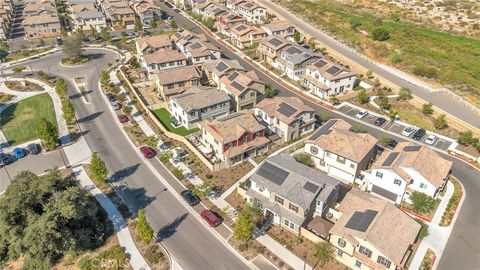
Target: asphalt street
(463, 248)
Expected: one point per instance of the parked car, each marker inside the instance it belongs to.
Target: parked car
(380, 121)
(5, 159)
(408, 131)
(111, 97)
(190, 175)
(147, 152)
(115, 105)
(419, 134)
(211, 218)
(392, 143)
(430, 140)
(164, 146)
(18, 152)
(122, 118)
(191, 199)
(361, 114)
(33, 148)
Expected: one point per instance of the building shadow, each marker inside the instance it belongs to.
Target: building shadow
(123, 173)
(89, 117)
(170, 229)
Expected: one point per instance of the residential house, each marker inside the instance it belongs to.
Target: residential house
(81, 2)
(294, 60)
(225, 22)
(43, 25)
(201, 6)
(245, 89)
(198, 103)
(251, 11)
(340, 152)
(288, 117)
(280, 28)
(6, 9)
(270, 47)
(234, 138)
(216, 69)
(146, 11)
(409, 168)
(151, 44)
(87, 19)
(200, 51)
(326, 79)
(39, 7)
(119, 13)
(372, 234)
(181, 39)
(163, 59)
(176, 80)
(213, 11)
(244, 35)
(291, 193)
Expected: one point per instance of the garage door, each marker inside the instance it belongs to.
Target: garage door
(384, 193)
(335, 172)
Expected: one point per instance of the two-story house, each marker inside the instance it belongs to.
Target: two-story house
(87, 19)
(234, 138)
(372, 233)
(163, 59)
(326, 79)
(244, 35)
(200, 6)
(147, 11)
(43, 25)
(291, 193)
(245, 89)
(270, 47)
(340, 152)
(181, 39)
(294, 60)
(409, 168)
(151, 44)
(283, 29)
(198, 103)
(227, 21)
(288, 117)
(176, 80)
(213, 11)
(251, 11)
(200, 51)
(216, 69)
(119, 13)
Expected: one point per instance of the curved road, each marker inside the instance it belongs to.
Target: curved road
(191, 243)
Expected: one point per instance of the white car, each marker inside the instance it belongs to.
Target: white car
(430, 140)
(408, 131)
(361, 114)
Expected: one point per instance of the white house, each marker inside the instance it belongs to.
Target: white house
(87, 19)
(283, 29)
(252, 12)
(294, 60)
(409, 168)
(163, 59)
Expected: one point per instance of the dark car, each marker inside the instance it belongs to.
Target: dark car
(5, 159)
(147, 152)
(33, 148)
(211, 218)
(111, 97)
(380, 121)
(122, 118)
(392, 143)
(188, 196)
(419, 134)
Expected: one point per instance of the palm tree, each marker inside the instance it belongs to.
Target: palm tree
(323, 252)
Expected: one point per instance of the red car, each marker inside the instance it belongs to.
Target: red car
(147, 152)
(210, 217)
(122, 118)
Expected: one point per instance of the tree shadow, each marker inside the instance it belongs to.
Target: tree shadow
(94, 56)
(8, 114)
(170, 229)
(89, 117)
(123, 173)
(81, 94)
(134, 198)
(76, 135)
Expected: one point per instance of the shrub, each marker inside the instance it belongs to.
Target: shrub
(153, 254)
(178, 173)
(363, 97)
(380, 34)
(355, 22)
(466, 138)
(165, 156)
(19, 69)
(425, 71)
(209, 176)
(305, 159)
(422, 203)
(427, 109)
(440, 122)
(98, 170)
(143, 228)
(405, 93)
(242, 247)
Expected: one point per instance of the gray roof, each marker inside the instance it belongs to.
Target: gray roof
(78, 2)
(218, 66)
(89, 14)
(197, 98)
(295, 54)
(300, 184)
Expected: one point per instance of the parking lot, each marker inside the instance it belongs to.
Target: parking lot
(392, 126)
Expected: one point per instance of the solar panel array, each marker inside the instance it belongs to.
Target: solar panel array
(286, 109)
(272, 173)
(390, 159)
(241, 27)
(293, 50)
(221, 66)
(412, 148)
(320, 63)
(311, 187)
(360, 221)
(196, 46)
(232, 76)
(325, 129)
(333, 70)
(237, 86)
(275, 42)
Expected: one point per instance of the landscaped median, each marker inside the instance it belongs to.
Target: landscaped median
(165, 118)
(452, 203)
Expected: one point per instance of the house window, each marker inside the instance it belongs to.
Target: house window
(313, 150)
(365, 251)
(278, 200)
(341, 242)
(289, 224)
(379, 174)
(245, 139)
(358, 264)
(293, 207)
(340, 159)
(261, 189)
(352, 165)
(328, 154)
(384, 261)
(339, 253)
(181, 84)
(322, 162)
(422, 185)
(397, 182)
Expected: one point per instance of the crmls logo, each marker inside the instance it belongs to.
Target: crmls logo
(109, 263)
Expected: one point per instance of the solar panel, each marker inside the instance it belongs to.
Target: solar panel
(310, 187)
(390, 159)
(232, 76)
(196, 46)
(325, 129)
(272, 173)
(411, 148)
(361, 220)
(333, 70)
(293, 50)
(241, 27)
(221, 66)
(275, 42)
(237, 86)
(286, 109)
(320, 63)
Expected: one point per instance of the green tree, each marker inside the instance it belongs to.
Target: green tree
(48, 133)
(209, 23)
(68, 111)
(421, 202)
(369, 74)
(405, 93)
(334, 101)
(296, 36)
(427, 109)
(380, 34)
(94, 33)
(392, 114)
(144, 229)
(72, 47)
(440, 122)
(127, 110)
(105, 33)
(45, 217)
(61, 87)
(312, 43)
(305, 159)
(153, 24)
(395, 57)
(243, 225)
(363, 97)
(270, 92)
(173, 24)
(323, 252)
(104, 78)
(202, 191)
(466, 138)
(138, 25)
(152, 141)
(385, 140)
(98, 169)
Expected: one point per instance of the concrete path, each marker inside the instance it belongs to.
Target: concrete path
(136, 259)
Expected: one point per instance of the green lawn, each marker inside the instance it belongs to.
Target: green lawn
(413, 118)
(19, 122)
(164, 116)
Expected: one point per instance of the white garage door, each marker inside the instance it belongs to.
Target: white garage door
(335, 172)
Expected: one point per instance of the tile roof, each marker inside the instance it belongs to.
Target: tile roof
(294, 54)
(424, 160)
(343, 142)
(278, 25)
(275, 42)
(154, 42)
(41, 19)
(232, 127)
(179, 74)
(223, 66)
(198, 98)
(330, 70)
(83, 7)
(89, 14)
(274, 109)
(164, 56)
(238, 82)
